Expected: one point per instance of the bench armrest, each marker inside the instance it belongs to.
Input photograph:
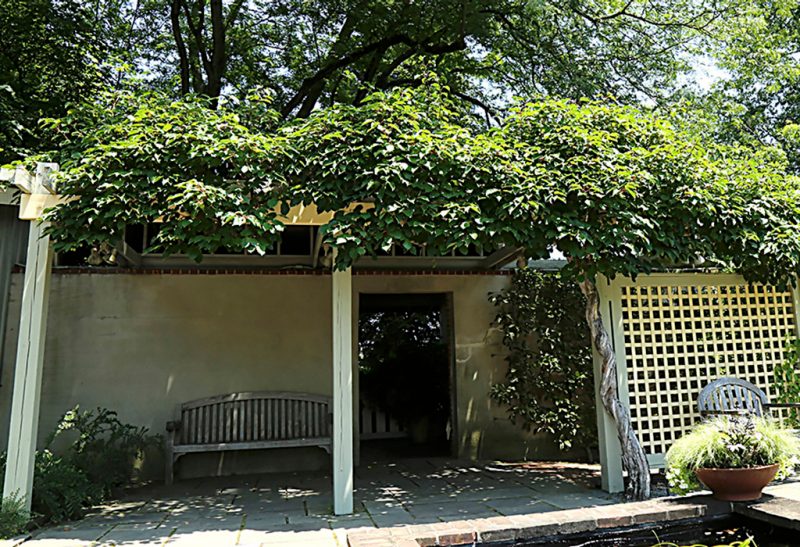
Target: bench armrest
(173, 426)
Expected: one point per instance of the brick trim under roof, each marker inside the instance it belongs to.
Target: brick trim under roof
(254, 271)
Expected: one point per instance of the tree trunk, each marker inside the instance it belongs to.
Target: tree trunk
(183, 59)
(634, 460)
(216, 70)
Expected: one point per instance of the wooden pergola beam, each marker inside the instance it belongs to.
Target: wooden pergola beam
(501, 257)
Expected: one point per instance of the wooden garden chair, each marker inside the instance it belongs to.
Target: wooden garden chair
(735, 396)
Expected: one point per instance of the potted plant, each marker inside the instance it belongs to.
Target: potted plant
(734, 456)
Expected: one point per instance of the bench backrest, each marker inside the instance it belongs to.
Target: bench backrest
(254, 417)
(731, 396)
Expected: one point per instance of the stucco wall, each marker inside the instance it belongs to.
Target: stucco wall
(142, 344)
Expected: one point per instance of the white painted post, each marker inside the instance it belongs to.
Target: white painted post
(342, 392)
(24, 422)
(611, 476)
(356, 386)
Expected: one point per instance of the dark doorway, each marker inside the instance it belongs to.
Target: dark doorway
(405, 375)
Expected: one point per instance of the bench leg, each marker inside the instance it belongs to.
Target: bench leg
(169, 468)
(169, 459)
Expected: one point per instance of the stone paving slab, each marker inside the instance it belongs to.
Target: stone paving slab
(125, 535)
(263, 521)
(575, 501)
(449, 510)
(206, 525)
(323, 538)
(152, 518)
(60, 543)
(217, 538)
(82, 534)
(293, 508)
(781, 512)
(361, 522)
(787, 490)
(396, 516)
(517, 506)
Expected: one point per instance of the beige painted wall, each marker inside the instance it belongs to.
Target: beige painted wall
(142, 344)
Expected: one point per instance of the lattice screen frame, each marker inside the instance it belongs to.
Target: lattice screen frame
(649, 367)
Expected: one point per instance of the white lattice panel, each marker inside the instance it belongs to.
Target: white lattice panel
(679, 335)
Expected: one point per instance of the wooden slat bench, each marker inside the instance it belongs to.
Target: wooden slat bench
(374, 423)
(247, 421)
(730, 395)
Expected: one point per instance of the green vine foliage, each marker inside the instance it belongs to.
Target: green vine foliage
(549, 384)
(131, 158)
(619, 190)
(787, 381)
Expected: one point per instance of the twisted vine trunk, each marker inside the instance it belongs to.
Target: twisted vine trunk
(633, 457)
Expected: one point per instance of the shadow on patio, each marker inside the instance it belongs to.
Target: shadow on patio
(296, 508)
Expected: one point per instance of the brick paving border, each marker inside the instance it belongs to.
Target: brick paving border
(524, 527)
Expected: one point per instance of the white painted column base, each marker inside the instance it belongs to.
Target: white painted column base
(342, 392)
(24, 422)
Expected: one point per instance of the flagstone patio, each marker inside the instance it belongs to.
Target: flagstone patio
(296, 509)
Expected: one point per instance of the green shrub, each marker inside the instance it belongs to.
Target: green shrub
(13, 517)
(104, 448)
(61, 490)
(84, 472)
(734, 443)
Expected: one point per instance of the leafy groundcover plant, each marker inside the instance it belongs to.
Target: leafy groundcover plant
(13, 517)
(731, 442)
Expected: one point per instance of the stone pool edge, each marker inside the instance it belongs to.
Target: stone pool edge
(525, 527)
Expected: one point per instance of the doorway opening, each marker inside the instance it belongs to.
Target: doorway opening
(406, 375)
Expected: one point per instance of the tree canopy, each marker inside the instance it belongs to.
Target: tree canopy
(755, 96)
(313, 54)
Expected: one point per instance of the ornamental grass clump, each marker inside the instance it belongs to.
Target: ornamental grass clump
(731, 442)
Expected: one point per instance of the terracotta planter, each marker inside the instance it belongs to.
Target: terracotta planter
(737, 484)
